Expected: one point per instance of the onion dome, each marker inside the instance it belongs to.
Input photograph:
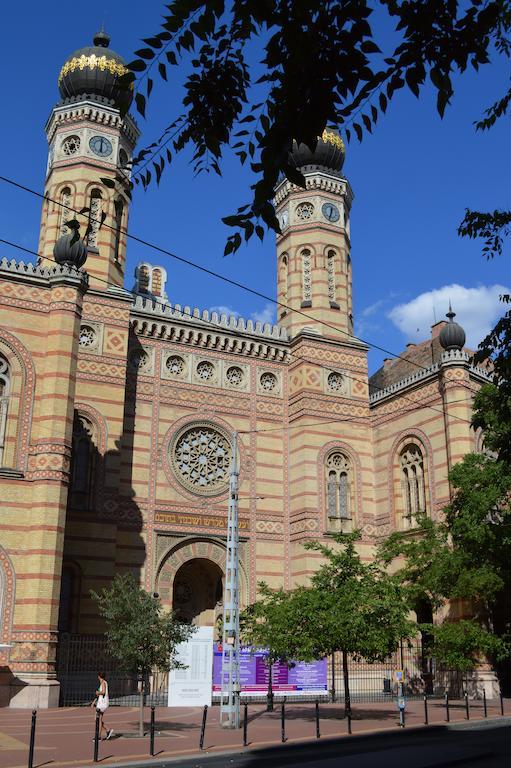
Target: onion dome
(72, 254)
(452, 335)
(95, 71)
(329, 152)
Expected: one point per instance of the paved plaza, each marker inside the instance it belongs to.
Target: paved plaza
(64, 736)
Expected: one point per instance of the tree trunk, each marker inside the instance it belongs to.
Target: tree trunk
(332, 690)
(269, 695)
(346, 677)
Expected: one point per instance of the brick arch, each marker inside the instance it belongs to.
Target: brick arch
(339, 445)
(13, 349)
(417, 437)
(192, 549)
(7, 591)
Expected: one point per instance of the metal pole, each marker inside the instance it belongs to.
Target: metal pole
(283, 721)
(501, 702)
(32, 740)
(318, 735)
(203, 727)
(332, 691)
(245, 724)
(151, 737)
(230, 697)
(467, 710)
(426, 719)
(348, 716)
(447, 713)
(484, 703)
(96, 738)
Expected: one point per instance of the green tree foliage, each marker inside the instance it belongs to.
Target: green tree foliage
(320, 64)
(140, 634)
(350, 606)
(465, 557)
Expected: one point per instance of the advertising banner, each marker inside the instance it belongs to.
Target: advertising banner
(191, 686)
(302, 678)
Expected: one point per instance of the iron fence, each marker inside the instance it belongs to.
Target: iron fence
(80, 657)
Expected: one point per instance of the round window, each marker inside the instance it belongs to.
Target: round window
(268, 381)
(71, 145)
(304, 211)
(205, 370)
(201, 459)
(335, 381)
(87, 336)
(175, 365)
(234, 376)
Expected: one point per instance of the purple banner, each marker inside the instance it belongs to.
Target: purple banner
(302, 677)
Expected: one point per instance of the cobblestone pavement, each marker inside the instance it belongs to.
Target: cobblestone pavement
(64, 737)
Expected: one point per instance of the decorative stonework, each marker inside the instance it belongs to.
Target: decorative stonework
(90, 338)
(7, 592)
(71, 145)
(304, 211)
(205, 372)
(27, 370)
(201, 459)
(269, 383)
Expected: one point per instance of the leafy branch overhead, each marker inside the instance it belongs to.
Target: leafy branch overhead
(321, 64)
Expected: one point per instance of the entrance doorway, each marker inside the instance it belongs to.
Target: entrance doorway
(197, 592)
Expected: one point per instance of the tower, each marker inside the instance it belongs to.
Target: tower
(313, 249)
(89, 140)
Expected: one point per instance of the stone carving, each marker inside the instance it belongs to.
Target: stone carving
(201, 459)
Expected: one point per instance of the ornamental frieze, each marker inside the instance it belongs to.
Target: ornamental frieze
(197, 520)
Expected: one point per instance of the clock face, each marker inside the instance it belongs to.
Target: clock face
(330, 212)
(284, 216)
(100, 146)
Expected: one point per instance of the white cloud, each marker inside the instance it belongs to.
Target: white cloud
(266, 314)
(221, 309)
(477, 310)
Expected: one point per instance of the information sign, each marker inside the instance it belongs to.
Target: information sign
(191, 686)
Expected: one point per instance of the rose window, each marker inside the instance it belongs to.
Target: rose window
(87, 336)
(335, 381)
(205, 370)
(139, 359)
(304, 211)
(234, 376)
(71, 145)
(268, 382)
(175, 365)
(201, 459)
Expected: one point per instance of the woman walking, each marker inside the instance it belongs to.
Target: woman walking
(101, 704)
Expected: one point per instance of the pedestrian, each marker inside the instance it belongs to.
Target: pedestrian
(101, 704)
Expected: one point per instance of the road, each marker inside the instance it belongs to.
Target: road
(473, 744)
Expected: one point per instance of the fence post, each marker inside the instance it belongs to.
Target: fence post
(484, 703)
(151, 736)
(467, 708)
(348, 715)
(332, 690)
(318, 735)
(283, 720)
(447, 713)
(426, 719)
(245, 724)
(203, 726)
(32, 740)
(96, 737)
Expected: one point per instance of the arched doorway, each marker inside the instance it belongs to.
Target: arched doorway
(197, 592)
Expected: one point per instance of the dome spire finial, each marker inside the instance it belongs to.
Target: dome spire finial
(101, 38)
(452, 335)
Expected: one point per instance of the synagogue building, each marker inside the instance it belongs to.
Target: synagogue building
(117, 407)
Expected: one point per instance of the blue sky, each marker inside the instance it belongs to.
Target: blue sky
(412, 180)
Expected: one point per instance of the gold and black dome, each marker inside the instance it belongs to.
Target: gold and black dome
(95, 71)
(329, 152)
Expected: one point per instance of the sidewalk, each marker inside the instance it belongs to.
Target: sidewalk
(64, 736)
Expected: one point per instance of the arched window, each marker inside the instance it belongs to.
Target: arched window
(283, 282)
(82, 463)
(156, 282)
(330, 266)
(119, 210)
(4, 402)
(412, 479)
(64, 210)
(143, 278)
(338, 490)
(306, 275)
(95, 209)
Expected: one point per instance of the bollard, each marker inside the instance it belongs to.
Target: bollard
(426, 719)
(151, 732)
(32, 740)
(467, 708)
(96, 738)
(203, 726)
(283, 721)
(348, 715)
(318, 735)
(447, 713)
(245, 724)
(501, 702)
(484, 703)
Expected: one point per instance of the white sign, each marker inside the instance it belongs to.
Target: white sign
(191, 686)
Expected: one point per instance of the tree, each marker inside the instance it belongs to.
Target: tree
(350, 606)
(321, 65)
(140, 634)
(464, 557)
